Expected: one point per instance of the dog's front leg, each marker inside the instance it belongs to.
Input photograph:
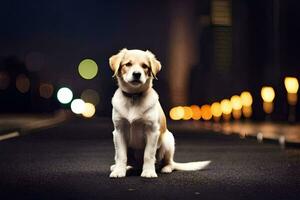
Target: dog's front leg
(120, 155)
(150, 152)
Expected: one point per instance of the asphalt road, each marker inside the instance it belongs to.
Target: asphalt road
(72, 162)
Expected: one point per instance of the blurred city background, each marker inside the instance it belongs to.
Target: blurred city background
(209, 50)
(228, 85)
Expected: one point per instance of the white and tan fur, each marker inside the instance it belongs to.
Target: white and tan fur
(139, 121)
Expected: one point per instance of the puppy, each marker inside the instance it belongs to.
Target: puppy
(138, 118)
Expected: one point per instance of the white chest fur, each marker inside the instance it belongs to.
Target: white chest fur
(135, 117)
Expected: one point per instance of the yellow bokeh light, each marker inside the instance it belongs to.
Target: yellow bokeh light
(46, 90)
(176, 113)
(226, 106)
(22, 83)
(216, 109)
(196, 112)
(188, 113)
(291, 85)
(89, 110)
(206, 112)
(88, 69)
(267, 94)
(246, 98)
(236, 102)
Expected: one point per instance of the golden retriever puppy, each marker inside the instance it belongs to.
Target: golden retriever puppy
(139, 121)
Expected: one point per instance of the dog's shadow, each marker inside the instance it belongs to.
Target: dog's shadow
(134, 172)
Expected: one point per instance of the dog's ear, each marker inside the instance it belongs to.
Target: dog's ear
(115, 61)
(154, 64)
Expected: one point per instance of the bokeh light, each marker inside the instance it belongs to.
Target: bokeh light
(237, 114)
(246, 98)
(90, 96)
(216, 109)
(176, 113)
(46, 90)
(236, 102)
(291, 85)
(78, 106)
(206, 112)
(292, 98)
(196, 112)
(22, 83)
(64, 95)
(188, 113)
(267, 94)
(88, 69)
(247, 111)
(89, 110)
(4, 80)
(226, 106)
(268, 107)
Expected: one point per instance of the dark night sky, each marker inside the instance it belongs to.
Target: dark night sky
(65, 32)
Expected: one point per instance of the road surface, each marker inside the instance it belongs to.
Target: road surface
(72, 161)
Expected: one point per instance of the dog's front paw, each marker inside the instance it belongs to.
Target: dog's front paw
(118, 173)
(149, 174)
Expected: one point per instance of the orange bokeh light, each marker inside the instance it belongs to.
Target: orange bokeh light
(196, 112)
(206, 112)
(22, 83)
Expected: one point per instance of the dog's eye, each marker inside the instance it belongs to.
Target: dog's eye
(129, 64)
(145, 66)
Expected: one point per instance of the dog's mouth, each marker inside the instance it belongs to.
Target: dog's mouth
(135, 82)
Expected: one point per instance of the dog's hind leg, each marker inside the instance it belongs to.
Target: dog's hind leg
(168, 149)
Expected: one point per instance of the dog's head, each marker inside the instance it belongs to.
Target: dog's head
(134, 69)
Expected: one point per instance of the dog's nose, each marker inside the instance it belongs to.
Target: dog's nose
(136, 75)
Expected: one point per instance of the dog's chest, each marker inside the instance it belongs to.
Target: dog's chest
(133, 110)
(135, 117)
(133, 113)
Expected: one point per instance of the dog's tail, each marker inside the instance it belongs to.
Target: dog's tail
(190, 166)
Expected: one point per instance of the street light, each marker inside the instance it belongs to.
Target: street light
(206, 112)
(196, 112)
(268, 95)
(188, 113)
(216, 111)
(89, 110)
(236, 103)
(176, 113)
(247, 101)
(64, 95)
(291, 85)
(226, 108)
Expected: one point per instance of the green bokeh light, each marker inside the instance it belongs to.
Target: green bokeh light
(88, 69)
